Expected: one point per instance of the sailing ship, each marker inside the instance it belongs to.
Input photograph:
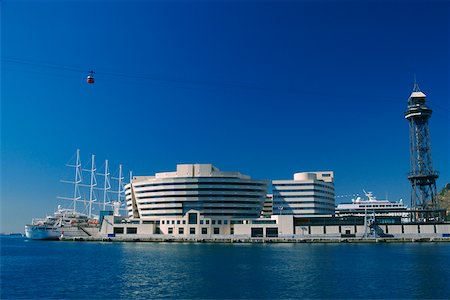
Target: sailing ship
(69, 222)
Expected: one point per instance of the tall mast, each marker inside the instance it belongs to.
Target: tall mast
(117, 204)
(77, 180)
(119, 188)
(106, 185)
(92, 185)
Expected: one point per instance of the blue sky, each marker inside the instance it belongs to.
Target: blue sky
(264, 88)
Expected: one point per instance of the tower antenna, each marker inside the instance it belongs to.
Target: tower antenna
(416, 85)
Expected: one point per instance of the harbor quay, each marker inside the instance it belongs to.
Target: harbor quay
(278, 229)
(236, 240)
(200, 203)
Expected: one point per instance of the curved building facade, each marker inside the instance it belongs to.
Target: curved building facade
(195, 187)
(310, 193)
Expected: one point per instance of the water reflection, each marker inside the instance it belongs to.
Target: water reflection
(151, 270)
(284, 270)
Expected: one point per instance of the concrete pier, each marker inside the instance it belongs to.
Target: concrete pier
(164, 239)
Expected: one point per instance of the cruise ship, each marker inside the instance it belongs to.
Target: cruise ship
(64, 222)
(360, 207)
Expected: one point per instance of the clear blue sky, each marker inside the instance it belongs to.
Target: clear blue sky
(267, 89)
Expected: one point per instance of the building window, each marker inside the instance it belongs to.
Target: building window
(184, 221)
(207, 222)
(225, 222)
(192, 218)
(191, 230)
(232, 230)
(219, 222)
(257, 232)
(271, 232)
(181, 230)
(213, 222)
(118, 230)
(204, 230)
(173, 222)
(178, 222)
(162, 222)
(201, 222)
(170, 230)
(216, 230)
(131, 230)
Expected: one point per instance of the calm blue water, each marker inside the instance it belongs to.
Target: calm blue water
(35, 269)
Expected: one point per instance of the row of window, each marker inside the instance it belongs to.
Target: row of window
(204, 230)
(294, 184)
(120, 230)
(207, 222)
(317, 209)
(201, 208)
(277, 192)
(382, 205)
(206, 214)
(210, 189)
(203, 196)
(315, 213)
(212, 182)
(133, 230)
(278, 203)
(304, 196)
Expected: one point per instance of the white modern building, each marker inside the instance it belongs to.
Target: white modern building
(308, 194)
(196, 199)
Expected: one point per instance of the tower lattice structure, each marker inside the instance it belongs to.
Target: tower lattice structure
(422, 174)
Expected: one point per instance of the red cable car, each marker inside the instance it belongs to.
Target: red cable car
(90, 78)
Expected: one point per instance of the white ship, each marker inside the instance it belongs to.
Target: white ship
(64, 222)
(68, 222)
(360, 207)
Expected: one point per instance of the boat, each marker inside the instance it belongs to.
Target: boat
(360, 207)
(68, 222)
(64, 222)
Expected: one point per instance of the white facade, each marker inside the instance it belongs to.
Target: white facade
(215, 195)
(308, 194)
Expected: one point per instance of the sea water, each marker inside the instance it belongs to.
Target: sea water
(53, 269)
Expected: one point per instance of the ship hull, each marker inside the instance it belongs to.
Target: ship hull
(53, 233)
(42, 232)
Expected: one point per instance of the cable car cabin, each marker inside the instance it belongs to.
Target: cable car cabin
(90, 78)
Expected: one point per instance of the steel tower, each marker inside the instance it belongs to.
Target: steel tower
(422, 175)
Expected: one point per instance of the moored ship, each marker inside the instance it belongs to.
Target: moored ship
(64, 222)
(371, 205)
(69, 222)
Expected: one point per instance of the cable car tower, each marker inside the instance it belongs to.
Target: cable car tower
(422, 175)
